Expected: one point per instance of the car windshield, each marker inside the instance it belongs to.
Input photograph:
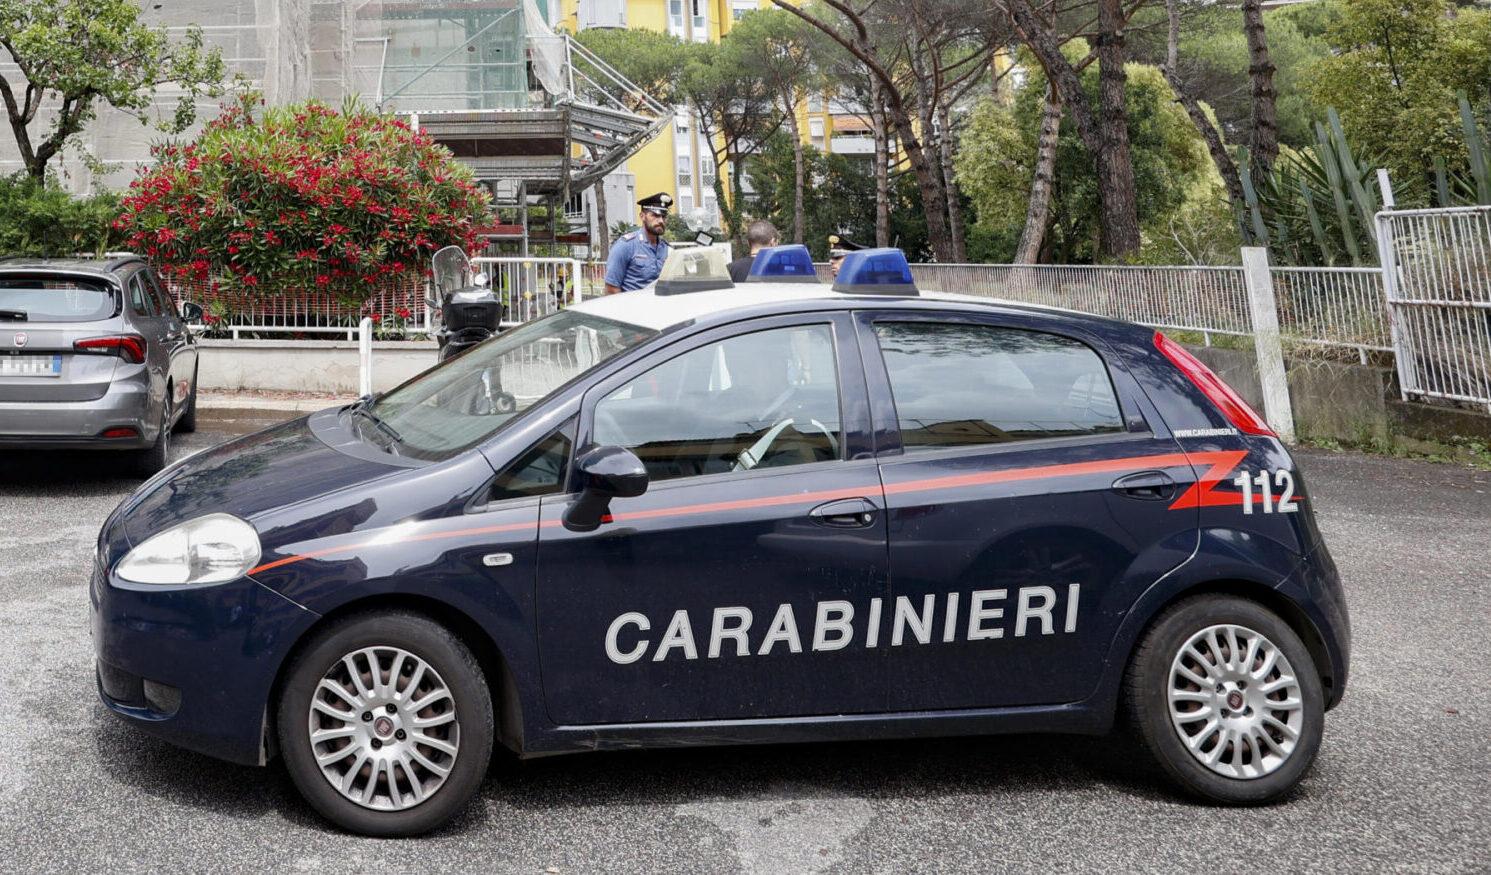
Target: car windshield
(450, 408)
(54, 299)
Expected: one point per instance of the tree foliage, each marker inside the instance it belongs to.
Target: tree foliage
(996, 163)
(1393, 76)
(301, 196)
(76, 54)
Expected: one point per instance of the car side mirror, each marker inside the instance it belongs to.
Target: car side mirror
(191, 312)
(604, 473)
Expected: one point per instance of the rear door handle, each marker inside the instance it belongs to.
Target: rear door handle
(1146, 485)
(845, 513)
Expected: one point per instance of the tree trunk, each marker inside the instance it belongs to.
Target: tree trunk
(1226, 167)
(603, 234)
(1120, 235)
(882, 166)
(1261, 71)
(1038, 214)
(950, 184)
(1119, 208)
(799, 213)
(932, 196)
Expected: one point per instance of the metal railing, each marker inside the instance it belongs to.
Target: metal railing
(1437, 269)
(532, 288)
(1208, 300)
(1333, 306)
(397, 310)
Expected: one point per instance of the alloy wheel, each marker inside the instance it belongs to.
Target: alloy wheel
(1235, 701)
(383, 728)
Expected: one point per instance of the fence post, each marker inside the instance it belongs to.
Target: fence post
(365, 357)
(1266, 342)
(1387, 257)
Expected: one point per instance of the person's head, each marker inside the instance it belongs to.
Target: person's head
(655, 212)
(761, 234)
(838, 247)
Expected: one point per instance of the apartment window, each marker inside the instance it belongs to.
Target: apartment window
(701, 20)
(681, 118)
(685, 172)
(675, 17)
(815, 103)
(706, 170)
(815, 133)
(685, 204)
(602, 13)
(574, 208)
(738, 8)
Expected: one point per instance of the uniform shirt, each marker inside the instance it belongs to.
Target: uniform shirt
(634, 262)
(740, 268)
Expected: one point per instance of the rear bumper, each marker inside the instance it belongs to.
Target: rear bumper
(194, 666)
(78, 424)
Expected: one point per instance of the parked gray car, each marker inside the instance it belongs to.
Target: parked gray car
(93, 354)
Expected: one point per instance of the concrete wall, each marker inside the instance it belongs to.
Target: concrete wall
(320, 366)
(1331, 400)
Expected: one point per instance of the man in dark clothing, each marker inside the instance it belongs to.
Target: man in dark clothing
(760, 234)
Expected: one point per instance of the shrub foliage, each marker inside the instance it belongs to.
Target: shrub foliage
(301, 196)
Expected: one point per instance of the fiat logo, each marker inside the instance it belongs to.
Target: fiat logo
(20, 338)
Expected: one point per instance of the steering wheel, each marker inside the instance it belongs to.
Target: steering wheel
(755, 453)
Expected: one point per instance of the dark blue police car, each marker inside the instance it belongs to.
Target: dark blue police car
(777, 511)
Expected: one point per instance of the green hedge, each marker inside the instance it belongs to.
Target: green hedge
(38, 220)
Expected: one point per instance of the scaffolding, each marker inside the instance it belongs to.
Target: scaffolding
(536, 116)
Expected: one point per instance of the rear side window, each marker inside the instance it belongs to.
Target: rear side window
(139, 299)
(54, 299)
(163, 301)
(964, 385)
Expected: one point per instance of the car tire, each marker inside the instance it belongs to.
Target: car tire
(1226, 699)
(188, 421)
(361, 800)
(152, 459)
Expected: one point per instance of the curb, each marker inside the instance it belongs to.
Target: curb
(220, 403)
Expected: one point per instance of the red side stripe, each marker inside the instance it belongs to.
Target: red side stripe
(1200, 494)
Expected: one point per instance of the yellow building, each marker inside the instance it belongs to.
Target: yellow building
(677, 161)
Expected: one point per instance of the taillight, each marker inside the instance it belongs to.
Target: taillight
(1237, 411)
(130, 347)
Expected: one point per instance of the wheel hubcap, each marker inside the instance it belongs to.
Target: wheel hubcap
(383, 728)
(1235, 701)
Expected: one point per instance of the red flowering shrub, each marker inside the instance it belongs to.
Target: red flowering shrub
(301, 197)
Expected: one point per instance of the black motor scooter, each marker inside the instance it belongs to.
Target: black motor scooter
(470, 313)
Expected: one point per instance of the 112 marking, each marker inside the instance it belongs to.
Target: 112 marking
(1265, 481)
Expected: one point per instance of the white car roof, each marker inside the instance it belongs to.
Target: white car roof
(648, 309)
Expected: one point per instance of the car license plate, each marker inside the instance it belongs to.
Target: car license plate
(31, 366)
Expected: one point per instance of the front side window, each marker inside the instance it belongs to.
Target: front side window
(769, 399)
(539, 471)
(455, 406)
(964, 385)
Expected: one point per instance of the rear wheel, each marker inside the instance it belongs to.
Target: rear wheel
(386, 724)
(151, 460)
(1227, 699)
(188, 421)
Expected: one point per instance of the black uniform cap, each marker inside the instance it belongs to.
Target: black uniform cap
(838, 247)
(657, 203)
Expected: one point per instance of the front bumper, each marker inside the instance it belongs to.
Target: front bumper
(78, 424)
(193, 665)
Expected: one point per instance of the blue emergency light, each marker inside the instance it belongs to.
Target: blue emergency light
(875, 272)
(783, 264)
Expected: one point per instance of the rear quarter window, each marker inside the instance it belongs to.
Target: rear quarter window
(33, 298)
(957, 384)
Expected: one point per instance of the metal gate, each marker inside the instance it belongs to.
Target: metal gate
(1437, 275)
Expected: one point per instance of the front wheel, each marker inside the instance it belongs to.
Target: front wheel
(386, 725)
(1227, 699)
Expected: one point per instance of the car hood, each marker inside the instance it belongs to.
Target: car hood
(245, 477)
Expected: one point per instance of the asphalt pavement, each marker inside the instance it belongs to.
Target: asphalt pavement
(1403, 780)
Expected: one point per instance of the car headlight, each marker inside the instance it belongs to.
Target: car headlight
(208, 549)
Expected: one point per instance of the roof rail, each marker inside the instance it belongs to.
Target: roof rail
(118, 260)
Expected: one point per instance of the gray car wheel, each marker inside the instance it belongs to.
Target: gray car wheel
(152, 459)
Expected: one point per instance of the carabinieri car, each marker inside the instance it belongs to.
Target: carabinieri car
(779, 511)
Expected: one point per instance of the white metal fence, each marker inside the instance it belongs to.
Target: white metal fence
(531, 288)
(1437, 267)
(1338, 307)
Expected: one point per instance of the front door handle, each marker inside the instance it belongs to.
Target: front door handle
(1146, 485)
(845, 513)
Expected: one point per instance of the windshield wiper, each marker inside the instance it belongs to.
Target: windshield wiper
(365, 409)
(13, 315)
